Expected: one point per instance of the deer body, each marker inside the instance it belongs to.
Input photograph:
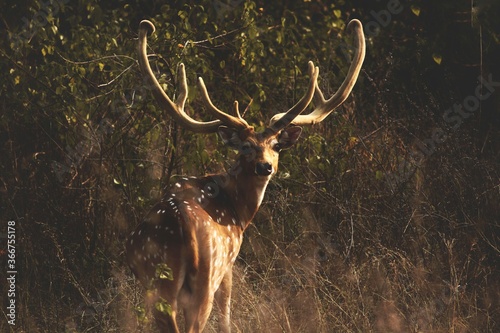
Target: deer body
(187, 232)
(203, 219)
(185, 248)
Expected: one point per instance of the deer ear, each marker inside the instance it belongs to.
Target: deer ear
(289, 136)
(230, 137)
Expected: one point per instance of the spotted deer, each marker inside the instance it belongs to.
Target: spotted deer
(184, 250)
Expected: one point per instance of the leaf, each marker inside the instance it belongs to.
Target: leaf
(163, 272)
(130, 167)
(163, 306)
(415, 10)
(140, 312)
(203, 18)
(279, 37)
(252, 32)
(437, 58)
(182, 14)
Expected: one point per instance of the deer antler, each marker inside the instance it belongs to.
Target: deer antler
(325, 107)
(288, 117)
(176, 109)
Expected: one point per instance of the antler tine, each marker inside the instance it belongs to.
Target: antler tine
(325, 107)
(183, 86)
(282, 120)
(227, 119)
(237, 109)
(175, 110)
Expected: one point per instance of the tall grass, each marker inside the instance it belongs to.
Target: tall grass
(334, 248)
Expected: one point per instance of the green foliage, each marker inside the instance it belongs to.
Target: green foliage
(163, 272)
(163, 307)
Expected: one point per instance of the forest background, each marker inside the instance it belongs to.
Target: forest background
(383, 218)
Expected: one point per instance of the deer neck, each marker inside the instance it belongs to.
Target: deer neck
(246, 191)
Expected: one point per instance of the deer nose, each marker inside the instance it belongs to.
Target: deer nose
(263, 169)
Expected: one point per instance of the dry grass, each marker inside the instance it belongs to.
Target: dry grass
(336, 247)
(344, 255)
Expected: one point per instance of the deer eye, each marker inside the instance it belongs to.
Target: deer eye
(246, 147)
(277, 147)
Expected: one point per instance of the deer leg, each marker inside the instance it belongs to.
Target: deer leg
(165, 304)
(197, 318)
(200, 306)
(166, 323)
(223, 301)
